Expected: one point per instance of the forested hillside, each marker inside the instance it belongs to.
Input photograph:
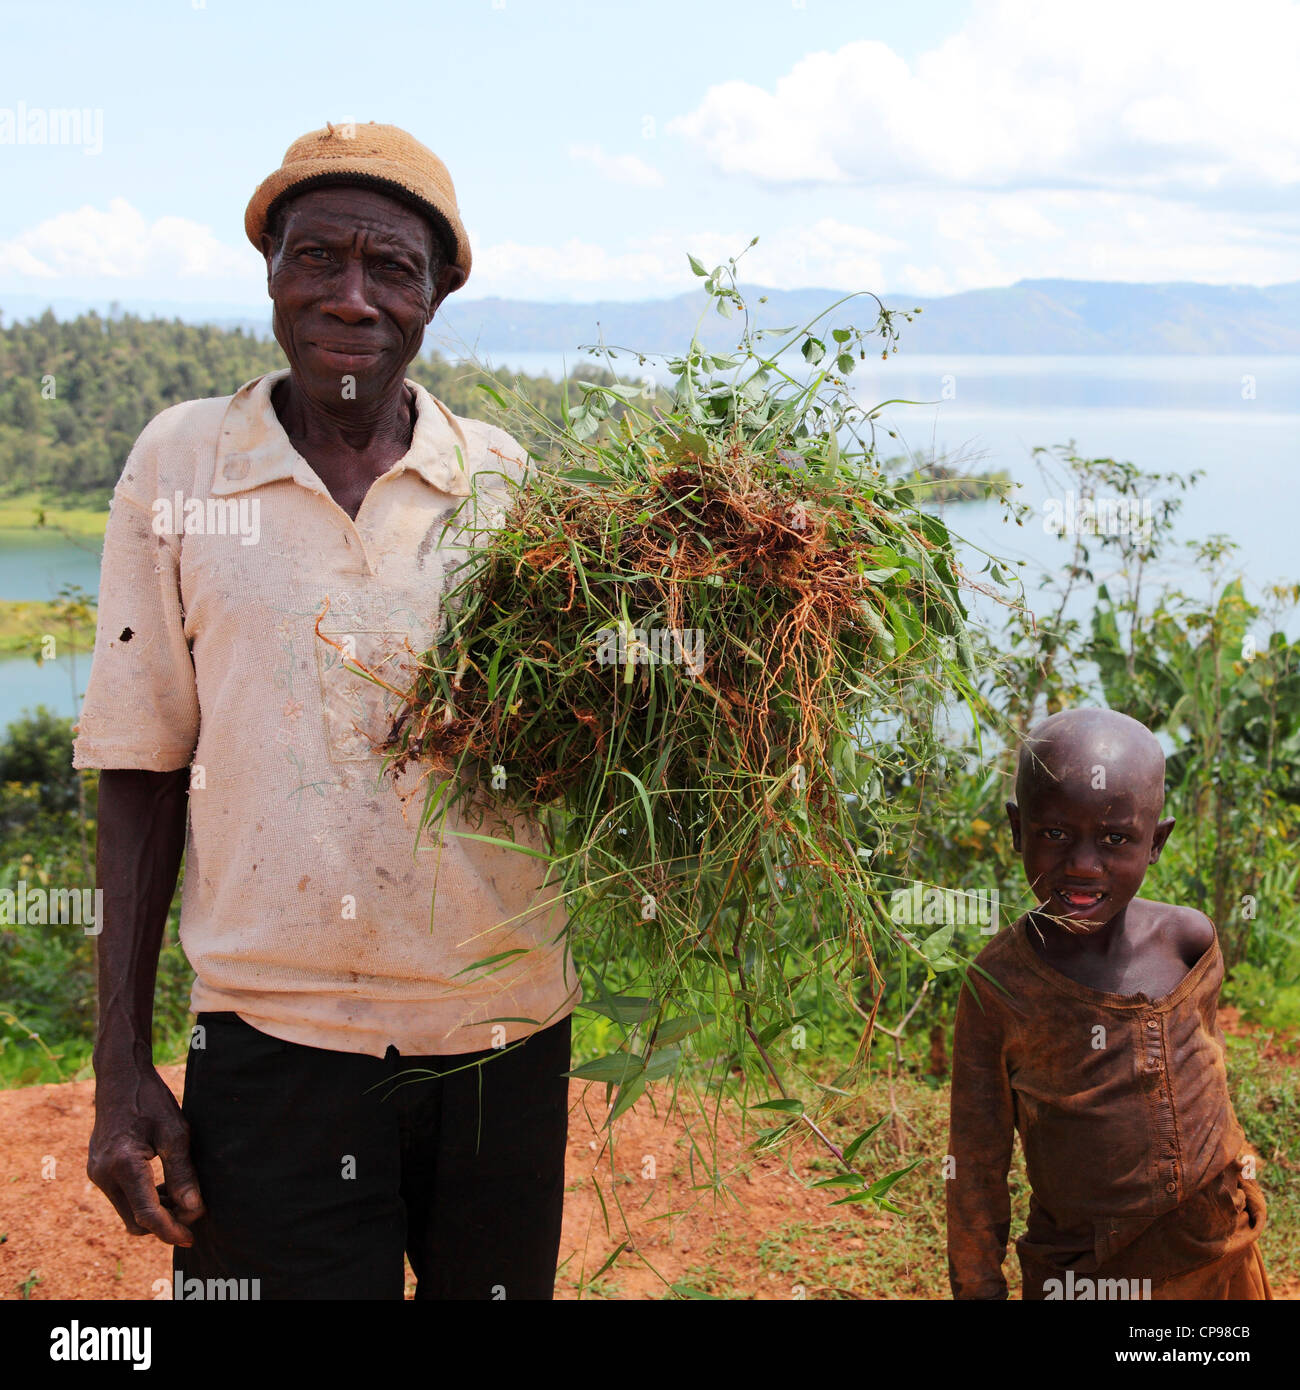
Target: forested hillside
(74, 395)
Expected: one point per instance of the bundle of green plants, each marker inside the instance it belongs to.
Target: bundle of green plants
(686, 648)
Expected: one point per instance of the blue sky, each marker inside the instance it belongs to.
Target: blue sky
(917, 148)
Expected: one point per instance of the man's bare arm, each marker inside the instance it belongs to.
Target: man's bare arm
(141, 838)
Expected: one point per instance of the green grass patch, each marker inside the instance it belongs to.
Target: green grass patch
(26, 623)
(27, 513)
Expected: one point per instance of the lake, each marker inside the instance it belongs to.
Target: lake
(36, 565)
(1236, 418)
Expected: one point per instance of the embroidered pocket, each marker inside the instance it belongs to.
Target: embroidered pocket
(358, 711)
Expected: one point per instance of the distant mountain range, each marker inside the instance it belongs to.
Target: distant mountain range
(1032, 316)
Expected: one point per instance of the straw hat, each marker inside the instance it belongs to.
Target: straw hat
(371, 154)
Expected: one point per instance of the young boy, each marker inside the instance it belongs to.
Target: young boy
(1102, 1049)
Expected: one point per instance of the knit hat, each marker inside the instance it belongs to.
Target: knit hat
(372, 155)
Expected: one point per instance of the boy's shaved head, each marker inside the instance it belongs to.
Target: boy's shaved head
(1086, 819)
(1077, 742)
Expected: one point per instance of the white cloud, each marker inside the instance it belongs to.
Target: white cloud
(959, 242)
(1185, 97)
(118, 243)
(618, 168)
(535, 271)
(826, 252)
(925, 242)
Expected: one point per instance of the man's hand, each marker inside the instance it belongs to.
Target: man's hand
(137, 1119)
(141, 835)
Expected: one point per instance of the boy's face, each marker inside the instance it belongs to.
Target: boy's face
(1085, 849)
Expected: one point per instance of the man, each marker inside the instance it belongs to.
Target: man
(299, 1163)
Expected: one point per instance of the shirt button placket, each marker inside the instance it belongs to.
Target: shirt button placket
(1167, 1165)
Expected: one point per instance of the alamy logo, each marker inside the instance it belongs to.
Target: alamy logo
(55, 125)
(194, 1289)
(55, 907)
(179, 515)
(625, 646)
(1099, 1290)
(924, 904)
(77, 1343)
(1098, 516)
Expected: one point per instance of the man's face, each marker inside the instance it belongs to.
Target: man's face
(354, 288)
(1086, 850)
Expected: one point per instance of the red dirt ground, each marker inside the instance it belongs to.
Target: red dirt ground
(54, 1223)
(64, 1229)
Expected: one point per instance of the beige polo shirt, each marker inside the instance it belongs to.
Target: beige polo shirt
(311, 907)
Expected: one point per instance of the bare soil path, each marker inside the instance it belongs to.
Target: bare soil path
(60, 1239)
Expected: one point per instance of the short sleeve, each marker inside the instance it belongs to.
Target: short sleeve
(500, 467)
(141, 708)
(504, 454)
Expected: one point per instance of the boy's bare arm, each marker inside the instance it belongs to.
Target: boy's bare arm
(981, 1137)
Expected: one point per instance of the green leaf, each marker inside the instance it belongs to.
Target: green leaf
(882, 1185)
(877, 1190)
(494, 667)
(493, 960)
(645, 803)
(696, 266)
(769, 1138)
(936, 944)
(813, 350)
(687, 443)
(615, 1066)
(621, 393)
(621, 1008)
(607, 1263)
(628, 1094)
(663, 1061)
(852, 1151)
(674, 1029)
(690, 1291)
(587, 475)
(943, 963)
(500, 843)
(493, 393)
(790, 1106)
(832, 464)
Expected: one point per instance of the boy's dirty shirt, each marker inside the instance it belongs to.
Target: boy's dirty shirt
(306, 908)
(1131, 1144)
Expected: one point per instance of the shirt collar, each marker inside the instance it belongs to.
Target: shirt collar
(254, 449)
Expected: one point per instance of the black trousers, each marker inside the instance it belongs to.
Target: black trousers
(319, 1169)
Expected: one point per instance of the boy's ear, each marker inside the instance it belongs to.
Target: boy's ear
(1013, 815)
(1159, 837)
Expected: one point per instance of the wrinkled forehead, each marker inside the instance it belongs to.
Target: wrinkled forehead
(346, 209)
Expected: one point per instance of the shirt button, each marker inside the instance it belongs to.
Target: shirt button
(1151, 1023)
(1171, 1187)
